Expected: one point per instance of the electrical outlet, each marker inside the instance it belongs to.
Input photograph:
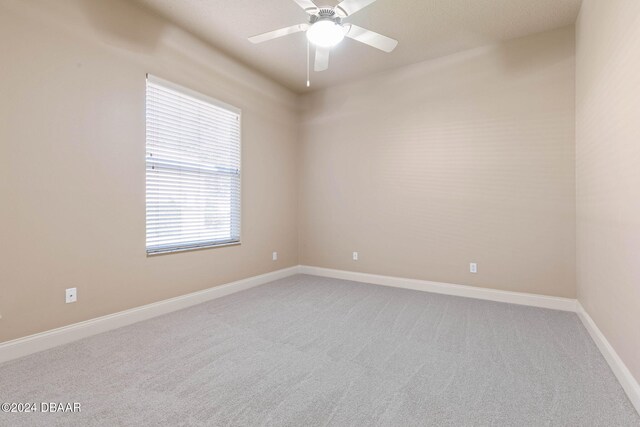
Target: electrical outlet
(473, 267)
(274, 256)
(71, 295)
(355, 256)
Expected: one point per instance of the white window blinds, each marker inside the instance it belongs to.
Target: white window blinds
(193, 169)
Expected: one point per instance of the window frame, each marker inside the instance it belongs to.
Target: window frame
(217, 103)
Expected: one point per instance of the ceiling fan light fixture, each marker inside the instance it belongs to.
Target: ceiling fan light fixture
(325, 33)
(325, 30)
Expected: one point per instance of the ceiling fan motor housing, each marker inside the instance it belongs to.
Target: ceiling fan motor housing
(326, 14)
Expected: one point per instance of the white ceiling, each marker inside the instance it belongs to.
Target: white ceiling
(425, 29)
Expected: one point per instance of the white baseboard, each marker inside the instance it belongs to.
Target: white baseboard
(45, 340)
(622, 373)
(555, 303)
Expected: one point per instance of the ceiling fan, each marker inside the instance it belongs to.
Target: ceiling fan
(326, 29)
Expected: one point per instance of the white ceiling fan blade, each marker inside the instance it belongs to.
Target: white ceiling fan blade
(349, 7)
(278, 33)
(372, 38)
(322, 58)
(307, 5)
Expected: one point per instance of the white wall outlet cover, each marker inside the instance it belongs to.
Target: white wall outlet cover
(355, 256)
(473, 267)
(274, 256)
(71, 295)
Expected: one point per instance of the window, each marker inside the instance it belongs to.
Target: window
(193, 169)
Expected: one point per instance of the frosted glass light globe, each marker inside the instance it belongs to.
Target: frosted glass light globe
(325, 33)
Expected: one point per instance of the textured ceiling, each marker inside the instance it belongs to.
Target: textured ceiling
(425, 29)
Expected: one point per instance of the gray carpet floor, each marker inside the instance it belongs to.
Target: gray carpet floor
(309, 351)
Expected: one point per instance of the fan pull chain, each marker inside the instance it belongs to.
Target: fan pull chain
(308, 65)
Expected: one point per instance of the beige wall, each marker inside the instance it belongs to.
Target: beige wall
(72, 162)
(608, 171)
(469, 158)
